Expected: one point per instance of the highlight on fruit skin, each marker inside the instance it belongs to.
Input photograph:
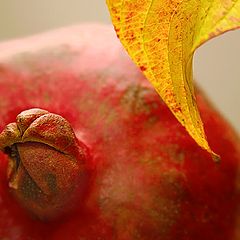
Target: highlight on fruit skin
(47, 164)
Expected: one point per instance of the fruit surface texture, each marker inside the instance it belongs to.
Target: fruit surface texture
(148, 179)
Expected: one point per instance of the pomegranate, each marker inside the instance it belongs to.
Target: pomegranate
(89, 150)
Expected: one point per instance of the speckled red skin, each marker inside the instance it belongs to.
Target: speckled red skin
(151, 181)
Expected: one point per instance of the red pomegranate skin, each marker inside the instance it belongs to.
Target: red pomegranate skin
(150, 181)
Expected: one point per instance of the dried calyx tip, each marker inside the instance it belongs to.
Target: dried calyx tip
(47, 164)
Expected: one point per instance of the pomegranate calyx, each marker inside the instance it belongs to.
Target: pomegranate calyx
(47, 170)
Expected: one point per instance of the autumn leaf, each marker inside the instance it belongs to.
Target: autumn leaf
(161, 37)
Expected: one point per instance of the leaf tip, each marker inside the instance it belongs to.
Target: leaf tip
(216, 158)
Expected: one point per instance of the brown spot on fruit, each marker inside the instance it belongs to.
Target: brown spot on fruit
(140, 100)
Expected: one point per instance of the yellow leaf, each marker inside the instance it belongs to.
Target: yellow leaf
(161, 37)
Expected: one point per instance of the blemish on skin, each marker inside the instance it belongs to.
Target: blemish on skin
(134, 100)
(47, 97)
(141, 100)
(152, 120)
(175, 153)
